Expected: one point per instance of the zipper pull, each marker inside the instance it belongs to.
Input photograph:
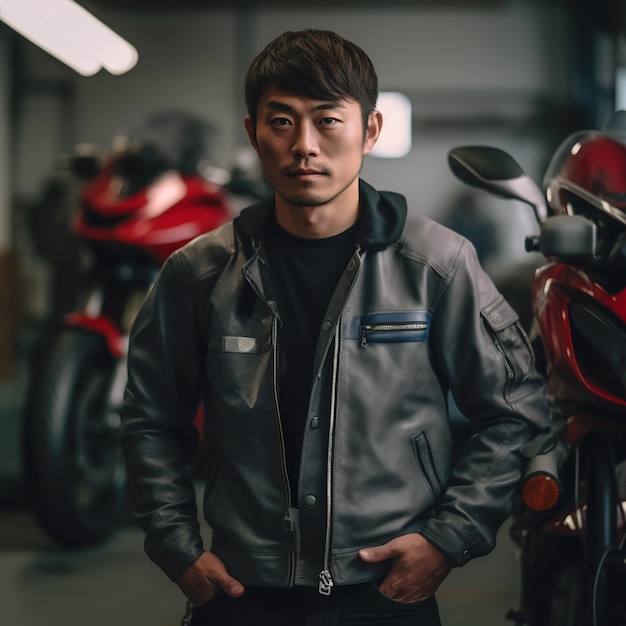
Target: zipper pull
(290, 521)
(363, 332)
(325, 583)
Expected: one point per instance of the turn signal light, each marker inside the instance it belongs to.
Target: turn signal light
(541, 492)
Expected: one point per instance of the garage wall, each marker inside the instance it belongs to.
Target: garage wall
(448, 61)
(496, 74)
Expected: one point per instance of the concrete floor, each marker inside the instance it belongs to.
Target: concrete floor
(116, 585)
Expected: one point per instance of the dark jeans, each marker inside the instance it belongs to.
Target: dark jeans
(354, 605)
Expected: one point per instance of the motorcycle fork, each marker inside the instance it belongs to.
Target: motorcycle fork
(600, 536)
(119, 302)
(115, 395)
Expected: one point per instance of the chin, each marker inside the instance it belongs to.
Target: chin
(305, 199)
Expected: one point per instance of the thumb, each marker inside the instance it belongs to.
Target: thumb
(231, 586)
(376, 553)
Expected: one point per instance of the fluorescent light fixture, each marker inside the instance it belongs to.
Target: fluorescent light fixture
(620, 89)
(396, 135)
(70, 33)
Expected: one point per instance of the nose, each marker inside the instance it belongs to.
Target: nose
(304, 142)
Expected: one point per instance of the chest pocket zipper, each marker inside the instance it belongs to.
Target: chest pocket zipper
(393, 332)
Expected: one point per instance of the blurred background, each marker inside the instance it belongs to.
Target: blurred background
(516, 74)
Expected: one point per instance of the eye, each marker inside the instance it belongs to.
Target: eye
(280, 122)
(328, 121)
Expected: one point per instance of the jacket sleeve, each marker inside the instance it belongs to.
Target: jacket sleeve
(160, 405)
(487, 360)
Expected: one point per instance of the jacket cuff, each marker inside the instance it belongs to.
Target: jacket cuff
(454, 539)
(175, 552)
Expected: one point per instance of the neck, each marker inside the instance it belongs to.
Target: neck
(320, 221)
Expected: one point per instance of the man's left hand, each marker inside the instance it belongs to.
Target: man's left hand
(417, 570)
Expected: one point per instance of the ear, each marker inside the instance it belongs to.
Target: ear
(372, 131)
(251, 134)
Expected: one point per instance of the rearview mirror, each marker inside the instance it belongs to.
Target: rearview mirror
(497, 172)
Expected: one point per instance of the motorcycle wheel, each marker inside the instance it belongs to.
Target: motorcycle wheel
(72, 462)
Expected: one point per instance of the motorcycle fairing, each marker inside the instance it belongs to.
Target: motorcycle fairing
(173, 210)
(105, 327)
(565, 322)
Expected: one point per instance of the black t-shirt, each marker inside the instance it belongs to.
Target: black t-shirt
(305, 273)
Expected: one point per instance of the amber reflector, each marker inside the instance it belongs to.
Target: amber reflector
(540, 492)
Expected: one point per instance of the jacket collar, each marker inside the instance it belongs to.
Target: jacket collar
(383, 215)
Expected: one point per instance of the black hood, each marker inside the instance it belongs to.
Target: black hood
(383, 214)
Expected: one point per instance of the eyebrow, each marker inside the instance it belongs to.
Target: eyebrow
(276, 105)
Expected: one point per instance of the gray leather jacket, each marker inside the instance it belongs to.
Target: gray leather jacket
(413, 317)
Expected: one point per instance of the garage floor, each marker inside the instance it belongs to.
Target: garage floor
(116, 585)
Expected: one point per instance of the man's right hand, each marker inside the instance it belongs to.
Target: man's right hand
(205, 577)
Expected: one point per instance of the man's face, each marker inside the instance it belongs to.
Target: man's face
(311, 150)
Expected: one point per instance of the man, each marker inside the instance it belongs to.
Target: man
(323, 330)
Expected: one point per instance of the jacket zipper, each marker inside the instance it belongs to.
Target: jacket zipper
(326, 583)
(325, 579)
(385, 327)
(290, 520)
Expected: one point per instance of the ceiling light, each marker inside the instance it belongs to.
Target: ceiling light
(70, 33)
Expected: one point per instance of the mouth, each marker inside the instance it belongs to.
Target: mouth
(305, 173)
(304, 170)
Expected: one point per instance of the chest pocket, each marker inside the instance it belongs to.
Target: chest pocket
(511, 342)
(240, 345)
(393, 327)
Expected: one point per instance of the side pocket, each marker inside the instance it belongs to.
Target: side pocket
(211, 471)
(426, 463)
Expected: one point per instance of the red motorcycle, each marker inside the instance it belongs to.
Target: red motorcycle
(148, 199)
(570, 522)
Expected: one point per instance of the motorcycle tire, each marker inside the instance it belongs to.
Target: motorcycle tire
(73, 465)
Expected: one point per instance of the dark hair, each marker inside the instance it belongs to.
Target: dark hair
(316, 64)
